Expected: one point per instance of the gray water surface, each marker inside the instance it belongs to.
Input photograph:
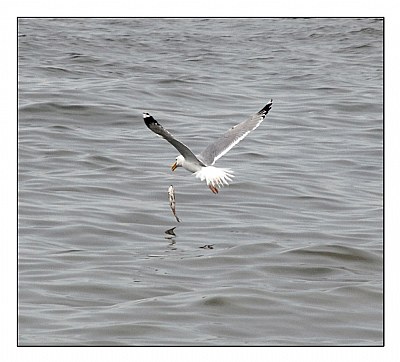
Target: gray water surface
(295, 253)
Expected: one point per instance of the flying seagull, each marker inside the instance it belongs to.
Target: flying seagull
(202, 165)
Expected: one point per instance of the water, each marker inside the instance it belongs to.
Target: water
(296, 240)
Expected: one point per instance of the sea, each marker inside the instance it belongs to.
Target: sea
(289, 254)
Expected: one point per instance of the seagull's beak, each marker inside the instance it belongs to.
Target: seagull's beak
(174, 166)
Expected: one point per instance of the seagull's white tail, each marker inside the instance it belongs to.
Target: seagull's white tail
(214, 176)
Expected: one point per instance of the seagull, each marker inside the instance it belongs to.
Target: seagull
(202, 164)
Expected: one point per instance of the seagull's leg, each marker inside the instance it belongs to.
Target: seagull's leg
(213, 189)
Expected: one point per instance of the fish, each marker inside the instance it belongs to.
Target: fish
(172, 201)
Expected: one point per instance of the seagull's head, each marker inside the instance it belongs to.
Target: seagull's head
(178, 162)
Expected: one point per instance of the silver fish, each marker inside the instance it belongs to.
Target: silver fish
(172, 201)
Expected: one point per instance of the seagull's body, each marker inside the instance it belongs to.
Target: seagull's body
(202, 165)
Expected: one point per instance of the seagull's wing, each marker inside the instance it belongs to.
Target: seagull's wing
(233, 136)
(154, 126)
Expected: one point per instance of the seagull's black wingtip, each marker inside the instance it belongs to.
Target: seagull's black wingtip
(266, 109)
(148, 119)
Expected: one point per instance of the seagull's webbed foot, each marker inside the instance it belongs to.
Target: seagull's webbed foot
(213, 189)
